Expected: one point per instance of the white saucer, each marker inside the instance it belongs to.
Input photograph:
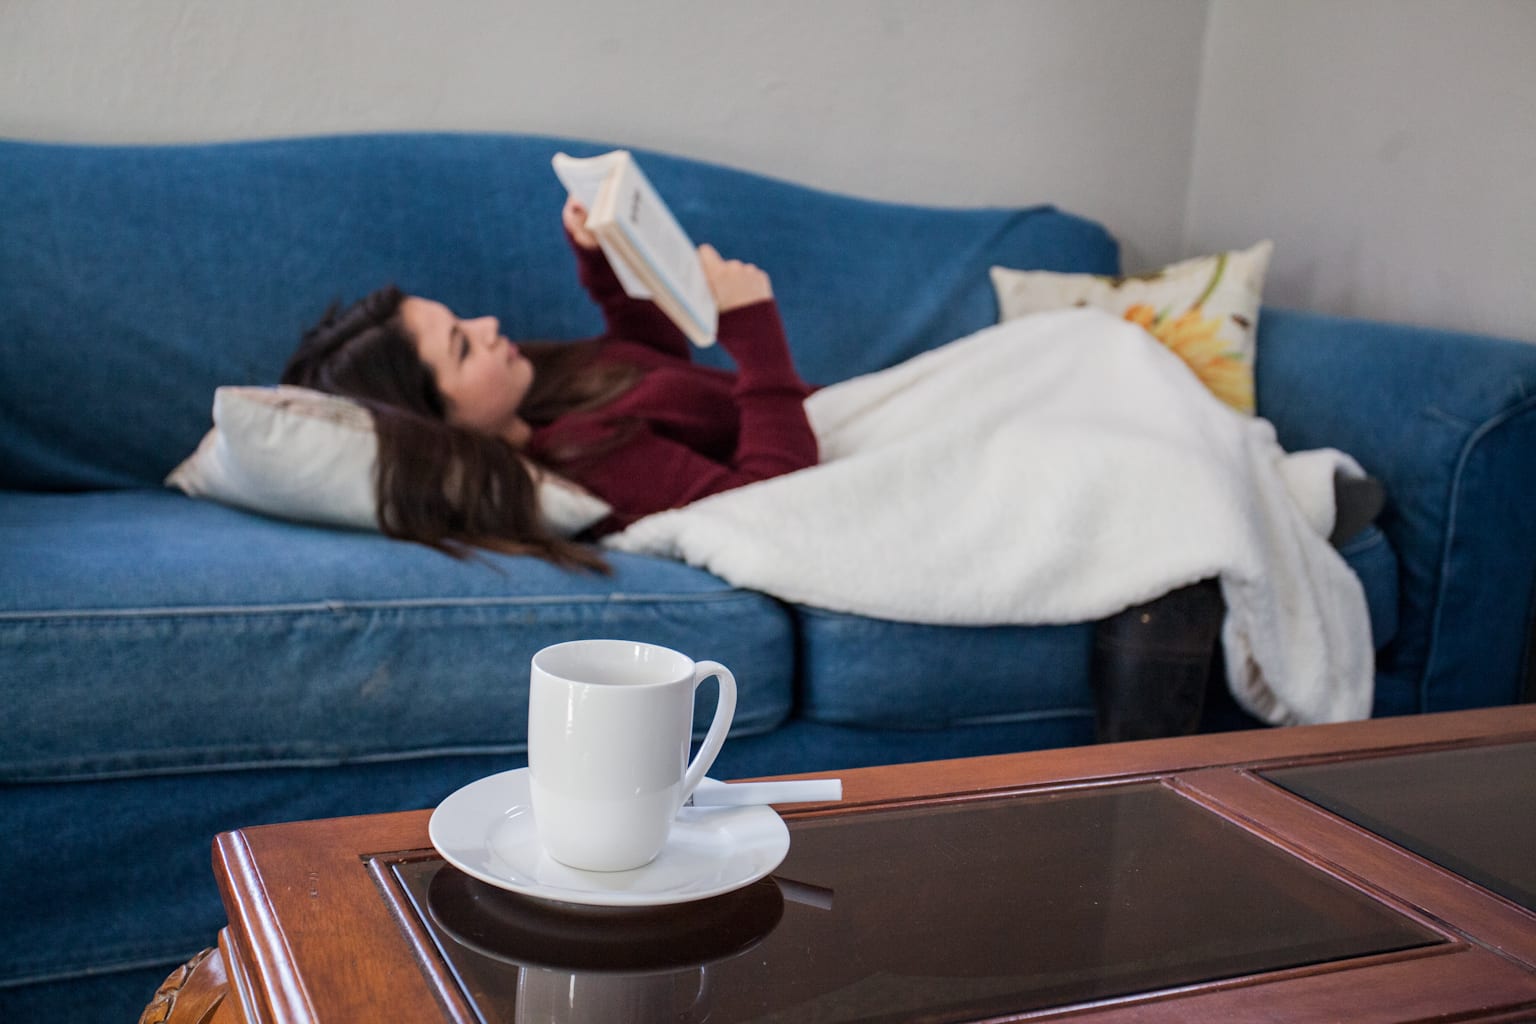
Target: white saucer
(486, 830)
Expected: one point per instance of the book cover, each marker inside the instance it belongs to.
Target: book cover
(650, 253)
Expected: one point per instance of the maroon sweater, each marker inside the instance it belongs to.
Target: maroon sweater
(688, 430)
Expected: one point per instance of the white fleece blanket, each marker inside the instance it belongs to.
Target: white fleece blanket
(1056, 468)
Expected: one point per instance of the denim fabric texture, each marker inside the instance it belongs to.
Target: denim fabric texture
(171, 668)
(1370, 554)
(895, 675)
(138, 279)
(172, 634)
(1447, 422)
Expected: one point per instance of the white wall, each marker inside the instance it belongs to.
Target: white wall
(964, 102)
(1386, 145)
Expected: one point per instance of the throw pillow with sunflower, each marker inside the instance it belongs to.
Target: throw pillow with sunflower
(1206, 310)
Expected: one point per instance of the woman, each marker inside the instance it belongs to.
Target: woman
(466, 419)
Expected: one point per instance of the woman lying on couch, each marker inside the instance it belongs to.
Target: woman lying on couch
(627, 415)
(466, 420)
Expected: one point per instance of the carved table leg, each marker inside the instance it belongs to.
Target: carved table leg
(193, 994)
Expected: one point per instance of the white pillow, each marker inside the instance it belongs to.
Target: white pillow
(309, 456)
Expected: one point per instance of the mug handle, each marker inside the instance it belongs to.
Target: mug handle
(725, 710)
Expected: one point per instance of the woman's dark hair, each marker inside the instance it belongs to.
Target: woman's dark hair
(438, 484)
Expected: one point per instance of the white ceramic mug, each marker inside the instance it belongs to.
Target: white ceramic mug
(609, 725)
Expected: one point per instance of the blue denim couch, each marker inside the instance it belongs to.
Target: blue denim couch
(171, 668)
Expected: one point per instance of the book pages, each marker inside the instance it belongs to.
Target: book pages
(642, 239)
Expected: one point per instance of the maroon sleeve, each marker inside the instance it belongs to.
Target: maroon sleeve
(637, 320)
(651, 473)
(775, 437)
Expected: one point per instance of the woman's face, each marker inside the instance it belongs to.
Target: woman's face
(482, 376)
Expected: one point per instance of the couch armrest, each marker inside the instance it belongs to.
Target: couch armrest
(1448, 422)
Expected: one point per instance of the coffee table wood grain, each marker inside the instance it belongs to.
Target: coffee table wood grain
(321, 928)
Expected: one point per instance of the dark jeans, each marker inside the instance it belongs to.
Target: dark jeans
(1151, 662)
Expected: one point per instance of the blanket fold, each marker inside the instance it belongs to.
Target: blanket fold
(1052, 469)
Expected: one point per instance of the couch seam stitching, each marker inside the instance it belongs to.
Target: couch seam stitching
(402, 604)
(289, 756)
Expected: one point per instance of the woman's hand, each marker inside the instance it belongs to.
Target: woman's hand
(733, 283)
(574, 217)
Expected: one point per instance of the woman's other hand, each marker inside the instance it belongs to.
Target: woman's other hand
(733, 283)
(574, 217)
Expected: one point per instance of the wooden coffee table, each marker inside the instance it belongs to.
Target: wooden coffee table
(1375, 871)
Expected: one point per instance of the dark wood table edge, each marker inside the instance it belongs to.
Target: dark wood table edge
(254, 954)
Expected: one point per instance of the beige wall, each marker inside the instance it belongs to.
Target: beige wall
(1183, 125)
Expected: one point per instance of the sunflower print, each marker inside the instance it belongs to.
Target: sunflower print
(1196, 339)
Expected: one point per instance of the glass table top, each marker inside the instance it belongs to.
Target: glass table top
(944, 913)
(1472, 810)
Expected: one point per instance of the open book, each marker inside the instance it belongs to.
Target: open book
(650, 253)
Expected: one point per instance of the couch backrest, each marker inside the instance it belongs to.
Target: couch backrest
(136, 279)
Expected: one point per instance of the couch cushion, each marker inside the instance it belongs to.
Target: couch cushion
(895, 675)
(143, 277)
(1370, 554)
(900, 675)
(148, 632)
